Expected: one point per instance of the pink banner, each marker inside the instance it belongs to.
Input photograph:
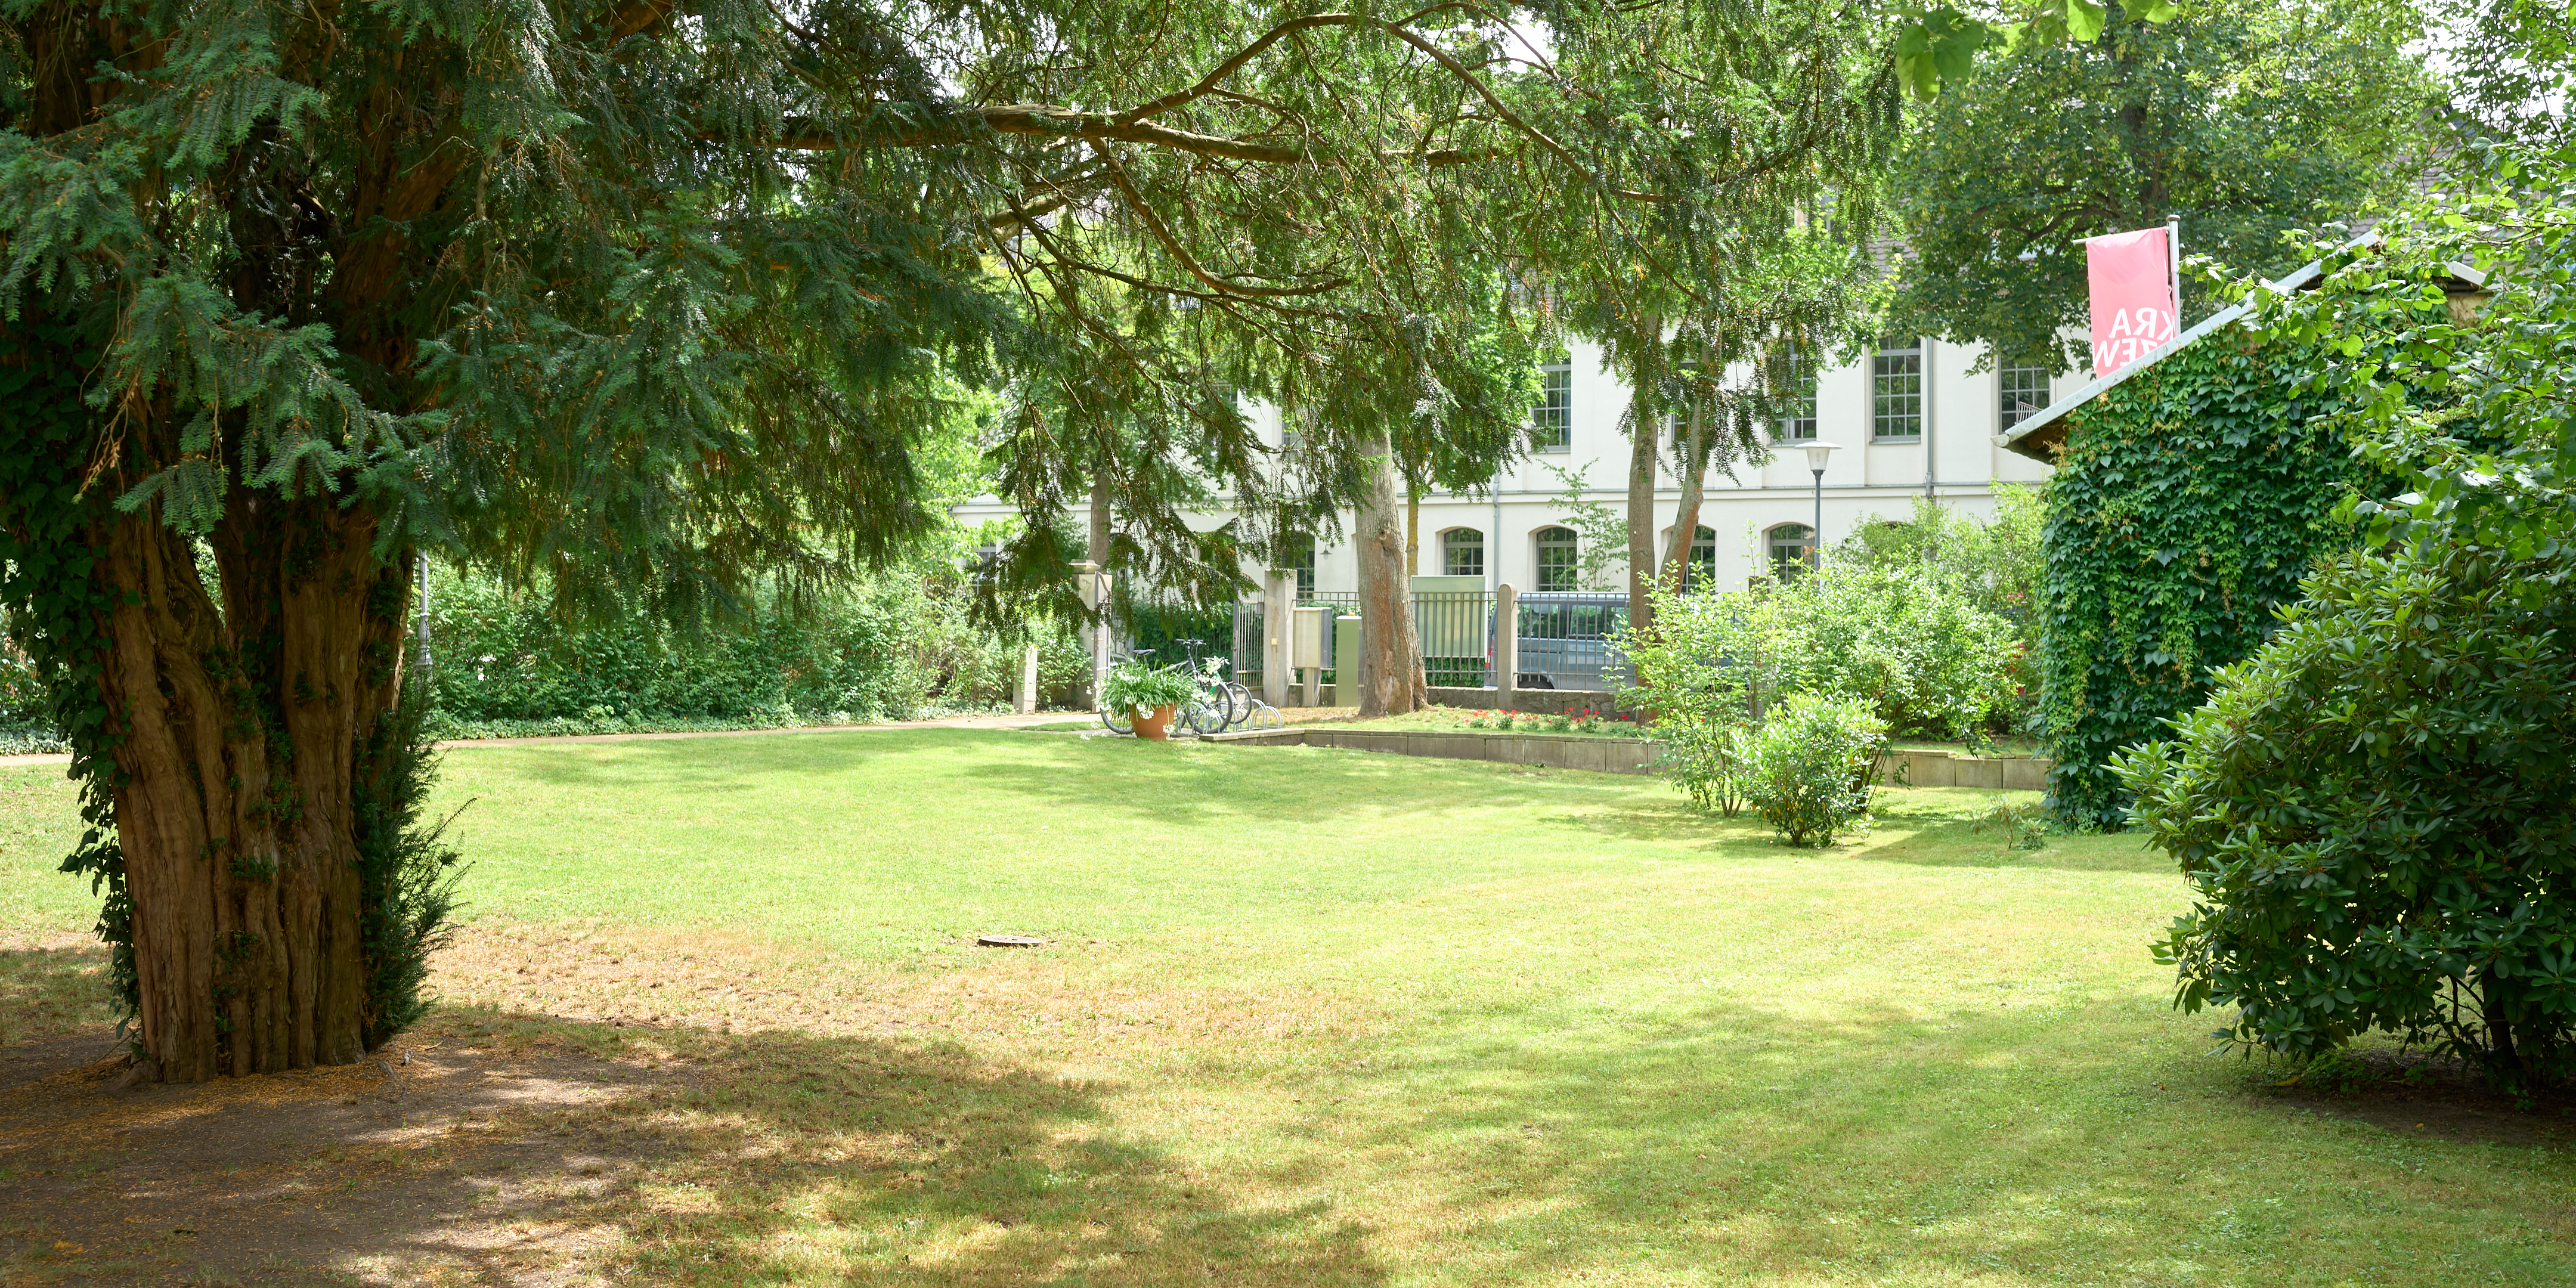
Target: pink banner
(2133, 303)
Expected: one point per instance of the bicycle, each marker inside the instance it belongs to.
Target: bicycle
(1232, 702)
(1207, 710)
(1216, 705)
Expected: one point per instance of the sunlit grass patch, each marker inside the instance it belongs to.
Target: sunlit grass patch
(1325, 1018)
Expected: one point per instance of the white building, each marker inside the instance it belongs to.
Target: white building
(1887, 414)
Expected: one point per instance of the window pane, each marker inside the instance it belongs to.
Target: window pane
(1462, 553)
(1301, 556)
(2021, 391)
(1701, 569)
(1789, 545)
(1552, 421)
(1556, 559)
(1798, 415)
(1896, 379)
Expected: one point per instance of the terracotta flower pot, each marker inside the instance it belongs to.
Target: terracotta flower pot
(1157, 726)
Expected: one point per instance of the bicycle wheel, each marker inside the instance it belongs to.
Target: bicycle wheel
(1238, 703)
(1202, 718)
(1118, 723)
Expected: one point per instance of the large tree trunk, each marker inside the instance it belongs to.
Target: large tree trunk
(1391, 679)
(234, 807)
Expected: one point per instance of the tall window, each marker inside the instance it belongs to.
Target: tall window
(1790, 543)
(1462, 552)
(1301, 556)
(1896, 380)
(1797, 423)
(1701, 570)
(1552, 421)
(2020, 391)
(1556, 559)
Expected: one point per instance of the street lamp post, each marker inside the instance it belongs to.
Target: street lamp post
(1817, 455)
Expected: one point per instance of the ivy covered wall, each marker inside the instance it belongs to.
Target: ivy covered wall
(2188, 502)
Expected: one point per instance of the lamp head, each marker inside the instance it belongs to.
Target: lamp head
(1817, 453)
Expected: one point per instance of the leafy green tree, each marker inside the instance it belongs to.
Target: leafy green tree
(2246, 118)
(654, 301)
(2375, 808)
(2512, 64)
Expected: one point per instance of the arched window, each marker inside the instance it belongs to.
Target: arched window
(1462, 553)
(1301, 556)
(1556, 570)
(1700, 571)
(1791, 544)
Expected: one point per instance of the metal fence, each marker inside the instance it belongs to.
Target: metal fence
(1456, 629)
(1565, 640)
(1457, 632)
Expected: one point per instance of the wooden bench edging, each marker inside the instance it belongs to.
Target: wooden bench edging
(1630, 755)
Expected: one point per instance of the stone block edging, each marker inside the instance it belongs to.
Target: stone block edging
(1629, 755)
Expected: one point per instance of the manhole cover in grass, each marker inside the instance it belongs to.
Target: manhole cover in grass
(1009, 941)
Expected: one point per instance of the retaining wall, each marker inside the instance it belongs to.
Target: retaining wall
(1632, 755)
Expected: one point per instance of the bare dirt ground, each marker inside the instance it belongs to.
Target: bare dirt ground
(609, 1106)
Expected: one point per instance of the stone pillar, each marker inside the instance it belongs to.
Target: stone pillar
(1507, 646)
(1027, 701)
(1094, 585)
(1278, 601)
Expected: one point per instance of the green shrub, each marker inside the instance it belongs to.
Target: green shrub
(1992, 563)
(1807, 768)
(2377, 815)
(896, 646)
(1697, 664)
(1924, 658)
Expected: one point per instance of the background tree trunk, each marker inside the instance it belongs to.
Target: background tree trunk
(1412, 530)
(1694, 463)
(234, 807)
(1391, 679)
(1642, 447)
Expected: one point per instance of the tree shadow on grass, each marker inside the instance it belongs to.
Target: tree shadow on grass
(1200, 786)
(516, 1149)
(1921, 831)
(1915, 1147)
(52, 990)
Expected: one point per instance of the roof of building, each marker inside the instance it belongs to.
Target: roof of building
(2042, 433)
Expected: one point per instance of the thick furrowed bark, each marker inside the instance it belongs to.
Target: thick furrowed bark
(234, 808)
(1391, 679)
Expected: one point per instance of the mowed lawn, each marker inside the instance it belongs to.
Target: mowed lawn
(1310, 1017)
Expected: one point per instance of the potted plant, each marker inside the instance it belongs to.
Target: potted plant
(1148, 694)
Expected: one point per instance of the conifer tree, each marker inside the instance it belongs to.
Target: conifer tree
(648, 300)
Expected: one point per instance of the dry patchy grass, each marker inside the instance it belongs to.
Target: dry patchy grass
(1305, 1018)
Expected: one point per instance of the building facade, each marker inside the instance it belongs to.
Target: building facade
(1910, 419)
